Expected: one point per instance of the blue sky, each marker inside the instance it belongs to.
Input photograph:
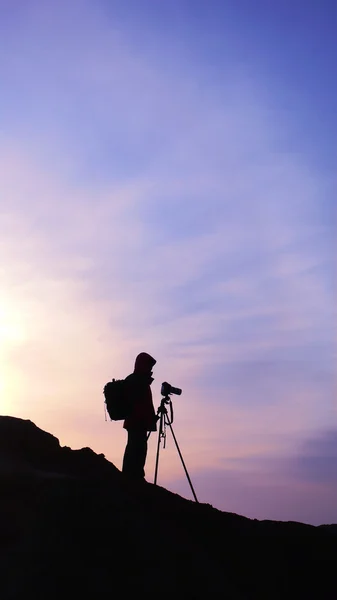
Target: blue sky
(168, 184)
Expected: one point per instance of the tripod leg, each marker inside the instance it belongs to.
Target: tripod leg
(182, 460)
(158, 447)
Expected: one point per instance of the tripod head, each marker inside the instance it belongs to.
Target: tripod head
(166, 399)
(162, 410)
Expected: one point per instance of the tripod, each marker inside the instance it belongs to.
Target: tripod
(165, 420)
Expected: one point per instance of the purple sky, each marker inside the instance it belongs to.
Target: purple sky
(167, 184)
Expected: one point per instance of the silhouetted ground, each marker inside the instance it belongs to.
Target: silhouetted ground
(71, 526)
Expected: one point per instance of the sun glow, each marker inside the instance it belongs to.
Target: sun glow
(12, 329)
(13, 333)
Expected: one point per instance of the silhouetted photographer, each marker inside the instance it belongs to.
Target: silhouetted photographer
(141, 418)
(130, 399)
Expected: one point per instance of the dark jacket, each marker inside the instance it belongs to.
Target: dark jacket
(142, 415)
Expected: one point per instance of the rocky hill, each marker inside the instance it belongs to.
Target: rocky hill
(72, 526)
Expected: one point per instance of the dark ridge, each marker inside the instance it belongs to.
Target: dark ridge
(72, 526)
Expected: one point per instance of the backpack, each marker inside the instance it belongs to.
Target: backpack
(117, 401)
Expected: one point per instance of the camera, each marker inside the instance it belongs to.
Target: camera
(167, 389)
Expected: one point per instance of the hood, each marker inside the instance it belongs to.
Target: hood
(144, 363)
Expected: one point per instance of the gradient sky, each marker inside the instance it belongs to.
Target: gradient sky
(168, 184)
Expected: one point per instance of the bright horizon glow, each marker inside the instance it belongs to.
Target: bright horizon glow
(11, 329)
(167, 184)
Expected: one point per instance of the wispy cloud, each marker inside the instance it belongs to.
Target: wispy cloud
(317, 459)
(264, 485)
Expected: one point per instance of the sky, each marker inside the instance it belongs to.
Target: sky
(168, 185)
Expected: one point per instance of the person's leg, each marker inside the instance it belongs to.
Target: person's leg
(135, 454)
(127, 459)
(140, 453)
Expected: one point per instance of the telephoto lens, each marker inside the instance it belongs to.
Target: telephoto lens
(167, 389)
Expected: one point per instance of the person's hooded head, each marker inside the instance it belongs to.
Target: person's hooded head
(144, 364)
